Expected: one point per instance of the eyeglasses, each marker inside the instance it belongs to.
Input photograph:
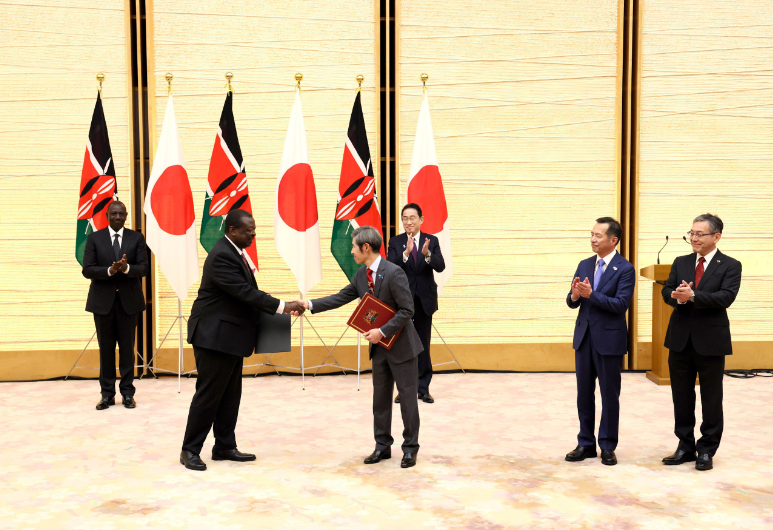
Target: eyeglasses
(699, 235)
(412, 219)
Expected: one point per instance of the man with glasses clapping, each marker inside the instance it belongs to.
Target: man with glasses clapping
(700, 288)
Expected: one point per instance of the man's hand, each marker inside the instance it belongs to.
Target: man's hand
(584, 288)
(575, 292)
(115, 267)
(373, 336)
(296, 307)
(683, 293)
(122, 265)
(409, 246)
(425, 248)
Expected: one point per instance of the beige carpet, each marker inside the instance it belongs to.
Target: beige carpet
(491, 457)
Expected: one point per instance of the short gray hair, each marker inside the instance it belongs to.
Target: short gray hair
(369, 235)
(715, 223)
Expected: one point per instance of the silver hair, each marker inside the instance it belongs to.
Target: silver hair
(715, 223)
(369, 235)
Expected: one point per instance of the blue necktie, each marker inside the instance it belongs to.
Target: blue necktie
(599, 273)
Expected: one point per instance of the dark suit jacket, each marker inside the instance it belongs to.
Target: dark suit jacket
(704, 320)
(224, 316)
(99, 256)
(392, 289)
(420, 275)
(604, 312)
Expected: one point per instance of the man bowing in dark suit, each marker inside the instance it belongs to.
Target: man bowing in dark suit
(388, 283)
(600, 338)
(419, 255)
(115, 258)
(700, 288)
(223, 331)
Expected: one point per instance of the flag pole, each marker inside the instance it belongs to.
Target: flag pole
(180, 362)
(303, 375)
(359, 340)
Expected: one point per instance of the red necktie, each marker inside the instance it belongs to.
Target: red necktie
(247, 264)
(371, 285)
(699, 270)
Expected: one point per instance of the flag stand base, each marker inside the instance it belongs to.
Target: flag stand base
(74, 366)
(180, 361)
(455, 361)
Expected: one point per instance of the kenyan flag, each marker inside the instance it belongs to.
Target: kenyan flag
(226, 183)
(357, 201)
(98, 186)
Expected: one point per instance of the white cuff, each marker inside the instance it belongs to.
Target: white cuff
(281, 308)
(108, 271)
(405, 258)
(311, 306)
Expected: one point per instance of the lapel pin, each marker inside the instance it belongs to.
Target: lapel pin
(380, 276)
(614, 268)
(719, 261)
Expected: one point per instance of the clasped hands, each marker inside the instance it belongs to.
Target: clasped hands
(683, 293)
(581, 288)
(119, 266)
(297, 308)
(424, 248)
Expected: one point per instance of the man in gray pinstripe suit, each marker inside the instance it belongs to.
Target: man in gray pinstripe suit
(387, 282)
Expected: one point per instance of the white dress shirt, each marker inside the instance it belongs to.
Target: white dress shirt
(708, 257)
(281, 307)
(120, 244)
(416, 242)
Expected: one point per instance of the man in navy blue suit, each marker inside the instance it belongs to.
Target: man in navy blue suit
(600, 338)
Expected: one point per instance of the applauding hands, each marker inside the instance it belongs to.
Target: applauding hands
(683, 293)
(119, 266)
(581, 288)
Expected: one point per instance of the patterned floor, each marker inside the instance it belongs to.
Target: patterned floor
(491, 457)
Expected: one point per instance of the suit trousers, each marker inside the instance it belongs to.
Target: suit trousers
(589, 365)
(684, 366)
(216, 401)
(385, 375)
(116, 326)
(423, 324)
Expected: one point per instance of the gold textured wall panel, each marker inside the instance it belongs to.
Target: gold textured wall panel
(52, 52)
(706, 132)
(524, 98)
(264, 44)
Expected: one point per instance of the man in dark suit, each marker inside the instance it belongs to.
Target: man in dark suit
(223, 331)
(115, 258)
(387, 282)
(600, 338)
(404, 251)
(700, 288)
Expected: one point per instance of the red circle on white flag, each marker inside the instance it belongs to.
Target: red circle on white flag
(172, 201)
(426, 190)
(297, 198)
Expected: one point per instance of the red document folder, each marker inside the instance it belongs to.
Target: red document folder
(372, 313)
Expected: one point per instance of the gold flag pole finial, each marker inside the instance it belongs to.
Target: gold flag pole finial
(298, 79)
(424, 78)
(100, 78)
(229, 76)
(360, 79)
(169, 78)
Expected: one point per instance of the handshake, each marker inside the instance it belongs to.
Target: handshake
(296, 307)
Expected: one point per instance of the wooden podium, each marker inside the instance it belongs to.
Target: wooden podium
(661, 313)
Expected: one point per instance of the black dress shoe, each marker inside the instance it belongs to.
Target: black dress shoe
(581, 452)
(397, 399)
(704, 462)
(409, 460)
(679, 457)
(128, 402)
(192, 461)
(426, 398)
(105, 402)
(231, 454)
(377, 456)
(608, 457)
